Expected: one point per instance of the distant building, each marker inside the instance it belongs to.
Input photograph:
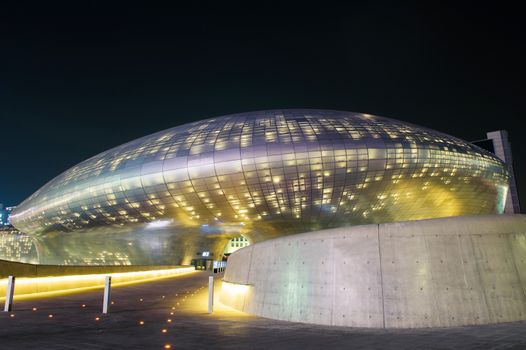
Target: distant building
(5, 213)
(236, 243)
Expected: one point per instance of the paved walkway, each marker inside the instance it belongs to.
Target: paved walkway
(173, 312)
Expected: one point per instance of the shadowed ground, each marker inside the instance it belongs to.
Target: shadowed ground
(75, 327)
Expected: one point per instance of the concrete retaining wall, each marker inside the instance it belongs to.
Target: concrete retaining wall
(8, 268)
(35, 281)
(429, 273)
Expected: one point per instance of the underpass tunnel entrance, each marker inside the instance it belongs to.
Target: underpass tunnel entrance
(206, 259)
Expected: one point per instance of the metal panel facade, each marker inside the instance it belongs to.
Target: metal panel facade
(270, 173)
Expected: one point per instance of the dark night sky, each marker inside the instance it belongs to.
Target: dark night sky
(81, 77)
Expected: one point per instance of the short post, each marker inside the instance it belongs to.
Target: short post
(106, 300)
(9, 294)
(210, 294)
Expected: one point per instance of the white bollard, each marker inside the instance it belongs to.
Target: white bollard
(106, 300)
(210, 294)
(9, 294)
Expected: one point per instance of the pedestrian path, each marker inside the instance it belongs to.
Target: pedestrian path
(172, 314)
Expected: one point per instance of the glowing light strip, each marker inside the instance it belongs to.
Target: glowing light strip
(234, 289)
(38, 287)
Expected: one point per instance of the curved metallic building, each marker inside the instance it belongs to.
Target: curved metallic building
(270, 173)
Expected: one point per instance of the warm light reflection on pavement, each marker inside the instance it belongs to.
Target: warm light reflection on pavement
(197, 302)
(173, 314)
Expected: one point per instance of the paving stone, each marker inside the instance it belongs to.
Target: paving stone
(75, 327)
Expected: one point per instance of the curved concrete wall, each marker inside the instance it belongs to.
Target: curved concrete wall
(429, 273)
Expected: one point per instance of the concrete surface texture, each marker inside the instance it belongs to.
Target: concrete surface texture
(429, 273)
(173, 314)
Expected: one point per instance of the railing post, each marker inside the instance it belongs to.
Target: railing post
(106, 300)
(210, 294)
(9, 294)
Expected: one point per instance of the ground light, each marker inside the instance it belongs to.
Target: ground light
(196, 300)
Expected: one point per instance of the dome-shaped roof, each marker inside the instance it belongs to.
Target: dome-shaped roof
(275, 171)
